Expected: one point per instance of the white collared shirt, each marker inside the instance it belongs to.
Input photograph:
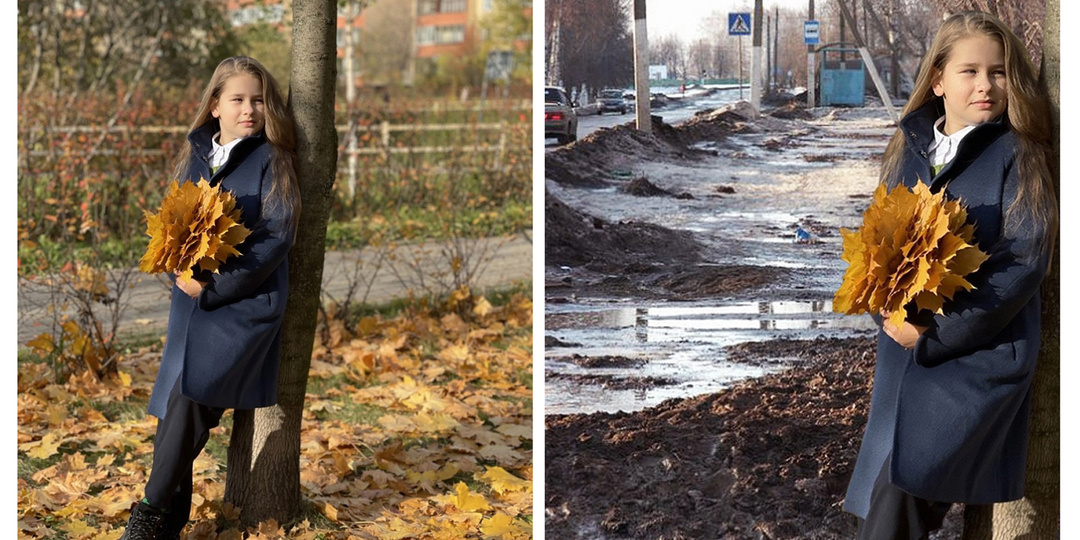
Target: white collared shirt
(219, 154)
(943, 149)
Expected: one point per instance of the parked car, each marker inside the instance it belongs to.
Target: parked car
(611, 100)
(560, 120)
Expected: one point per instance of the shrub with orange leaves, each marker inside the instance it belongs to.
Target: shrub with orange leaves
(914, 246)
(196, 225)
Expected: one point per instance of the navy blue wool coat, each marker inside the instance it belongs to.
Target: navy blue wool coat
(951, 415)
(225, 344)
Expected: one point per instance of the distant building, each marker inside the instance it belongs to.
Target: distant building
(657, 72)
(439, 27)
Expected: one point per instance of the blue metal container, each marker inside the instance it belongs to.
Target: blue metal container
(843, 79)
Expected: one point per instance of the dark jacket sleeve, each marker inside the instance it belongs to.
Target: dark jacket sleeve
(1007, 282)
(260, 253)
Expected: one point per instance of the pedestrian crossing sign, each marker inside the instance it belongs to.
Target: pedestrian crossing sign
(738, 24)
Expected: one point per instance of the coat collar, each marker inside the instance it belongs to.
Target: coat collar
(918, 126)
(202, 139)
(918, 130)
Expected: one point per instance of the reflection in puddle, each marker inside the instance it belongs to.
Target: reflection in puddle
(667, 323)
(683, 344)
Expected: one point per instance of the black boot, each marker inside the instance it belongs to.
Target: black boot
(176, 518)
(143, 523)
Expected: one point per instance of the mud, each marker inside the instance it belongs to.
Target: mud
(767, 458)
(573, 238)
(605, 361)
(611, 382)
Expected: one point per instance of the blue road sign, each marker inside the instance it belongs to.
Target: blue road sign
(738, 24)
(811, 32)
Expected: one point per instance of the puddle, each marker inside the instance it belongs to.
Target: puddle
(682, 348)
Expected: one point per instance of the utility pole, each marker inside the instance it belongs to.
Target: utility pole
(755, 58)
(641, 69)
(811, 102)
(350, 89)
(768, 55)
(776, 47)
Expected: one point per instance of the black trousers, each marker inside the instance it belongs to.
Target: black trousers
(181, 436)
(897, 515)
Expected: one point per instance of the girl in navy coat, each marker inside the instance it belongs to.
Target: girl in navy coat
(949, 413)
(224, 334)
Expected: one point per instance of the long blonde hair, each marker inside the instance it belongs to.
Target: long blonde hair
(1027, 112)
(278, 127)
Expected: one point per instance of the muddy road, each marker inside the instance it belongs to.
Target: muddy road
(698, 384)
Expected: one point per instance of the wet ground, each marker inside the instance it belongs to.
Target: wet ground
(670, 258)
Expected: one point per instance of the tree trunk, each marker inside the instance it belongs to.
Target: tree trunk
(1038, 516)
(264, 453)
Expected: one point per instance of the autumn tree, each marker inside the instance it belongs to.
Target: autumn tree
(508, 27)
(70, 48)
(385, 44)
(264, 452)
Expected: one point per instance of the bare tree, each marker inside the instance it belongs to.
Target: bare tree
(594, 41)
(668, 51)
(264, 452)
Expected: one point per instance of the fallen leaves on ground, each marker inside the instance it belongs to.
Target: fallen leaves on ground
(415, 426)
(914, 246)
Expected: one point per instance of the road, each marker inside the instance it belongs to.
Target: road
(679, 108)
(380, 276)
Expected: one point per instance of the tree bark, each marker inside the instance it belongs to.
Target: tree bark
(1038, 516)
(264, 453)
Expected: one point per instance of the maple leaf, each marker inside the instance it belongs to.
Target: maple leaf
(499, 525)
(196, 226)
(914, 246)
(464, 500)
(502, 481)
(46, 448)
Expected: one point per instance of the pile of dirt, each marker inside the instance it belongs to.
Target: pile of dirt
(717, 124)
(575, 239)
(590, 161)
(768, 458)
(642, 187)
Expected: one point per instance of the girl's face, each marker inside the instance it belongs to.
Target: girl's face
(240, 108)
(973, 83)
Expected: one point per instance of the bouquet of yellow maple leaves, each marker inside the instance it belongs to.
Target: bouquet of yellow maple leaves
(197, 225)
(913, 246)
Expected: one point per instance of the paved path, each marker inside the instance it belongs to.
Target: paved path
(379, 275)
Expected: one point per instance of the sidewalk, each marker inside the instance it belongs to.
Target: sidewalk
(381, 276)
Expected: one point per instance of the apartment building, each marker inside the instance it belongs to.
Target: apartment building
(438, 27)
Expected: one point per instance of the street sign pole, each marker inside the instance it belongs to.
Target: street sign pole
(811, 76)
(755, 59)
(739, 25)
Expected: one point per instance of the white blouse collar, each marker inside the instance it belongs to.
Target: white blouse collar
(943, 149)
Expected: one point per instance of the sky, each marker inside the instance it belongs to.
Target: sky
(685, 18)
